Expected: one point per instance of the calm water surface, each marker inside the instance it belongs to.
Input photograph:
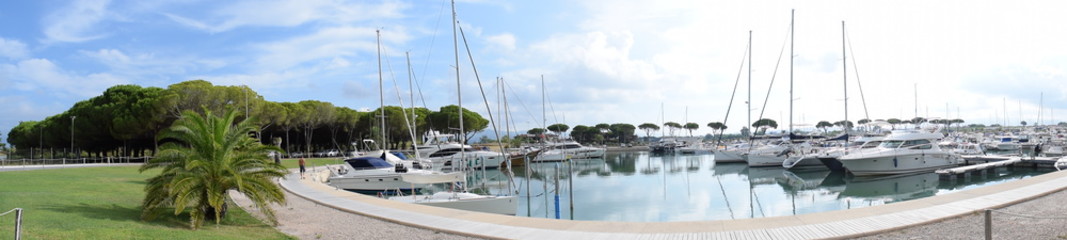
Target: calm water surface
(639, 187)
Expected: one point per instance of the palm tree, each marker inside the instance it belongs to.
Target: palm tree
(204, 158)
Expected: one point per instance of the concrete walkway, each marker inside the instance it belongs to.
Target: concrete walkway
(836, 224)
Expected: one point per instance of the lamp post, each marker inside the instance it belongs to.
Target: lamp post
(40, 143)
(72, 133)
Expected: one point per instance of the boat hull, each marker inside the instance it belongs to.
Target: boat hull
(557, 155)
(373, 183)
(810, 161)
(898, 162)
(728, 156)
(762, 160)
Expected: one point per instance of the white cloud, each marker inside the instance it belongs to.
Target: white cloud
(19, 108)
(505, 41)
(43, 76)
(109, 56)
(264, 81)
(77, 22)
(326, 45)
(289, 13)
(687, 53)
(13, 49)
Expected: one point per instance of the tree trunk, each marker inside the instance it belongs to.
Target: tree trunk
(209, 212)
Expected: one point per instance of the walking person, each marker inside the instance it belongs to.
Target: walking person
(302, 169)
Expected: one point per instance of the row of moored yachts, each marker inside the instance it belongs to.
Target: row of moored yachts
(444, 164)
(896, 152)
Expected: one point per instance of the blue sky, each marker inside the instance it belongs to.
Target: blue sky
(602, 61)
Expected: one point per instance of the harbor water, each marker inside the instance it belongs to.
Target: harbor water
(640, 187)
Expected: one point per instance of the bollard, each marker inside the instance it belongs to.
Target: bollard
(18, 224)
(989, 224)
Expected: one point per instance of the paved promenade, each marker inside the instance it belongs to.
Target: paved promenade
(837, 224)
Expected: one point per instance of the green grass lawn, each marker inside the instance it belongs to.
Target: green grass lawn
(105, 203)
(311, 162)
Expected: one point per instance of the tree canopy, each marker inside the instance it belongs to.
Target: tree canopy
(558, 128)
(690, 127)
(648, 128)
(125, 119)
(671, 126)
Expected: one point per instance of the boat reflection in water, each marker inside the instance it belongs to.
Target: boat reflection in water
(639, 187)
(890, 189)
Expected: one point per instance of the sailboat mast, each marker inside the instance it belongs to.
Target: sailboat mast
(792, 30)
(748, 104)
(544, 115)
(844, 78)
(411, 95)
(459, 91)
(381, 88)
(507, 109)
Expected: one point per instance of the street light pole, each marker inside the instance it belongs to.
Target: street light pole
(72, 133)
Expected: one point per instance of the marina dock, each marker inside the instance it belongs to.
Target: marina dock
(988, 164)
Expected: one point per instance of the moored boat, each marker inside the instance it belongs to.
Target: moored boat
(903, 151)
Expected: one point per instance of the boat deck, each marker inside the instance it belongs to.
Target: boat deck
(836, 224)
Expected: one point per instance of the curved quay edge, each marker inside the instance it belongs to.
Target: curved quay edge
(824, 225)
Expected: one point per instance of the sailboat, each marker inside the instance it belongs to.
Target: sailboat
(774, 154)
(459, 198)
(733, 153)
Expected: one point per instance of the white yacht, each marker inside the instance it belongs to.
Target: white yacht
(425, 150)
(807, 159)
(695, 148)
(770, 154)
(829, 158)
(775, 153)
(1002, 143)
(460, 199)
(568, 150)
(963, 148)
(731, 154)
(372, 174)
(903, 151)
(451, 158)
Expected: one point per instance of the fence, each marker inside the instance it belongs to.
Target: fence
(989, 219)
(18, 221)
(65, 161)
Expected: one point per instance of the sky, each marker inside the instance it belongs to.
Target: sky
(602, 61)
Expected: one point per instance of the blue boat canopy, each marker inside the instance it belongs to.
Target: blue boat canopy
(368, 163)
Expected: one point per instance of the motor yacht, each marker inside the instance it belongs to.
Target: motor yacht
(903, 151)
(568, 150)
(465, 157)
(372, 174)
